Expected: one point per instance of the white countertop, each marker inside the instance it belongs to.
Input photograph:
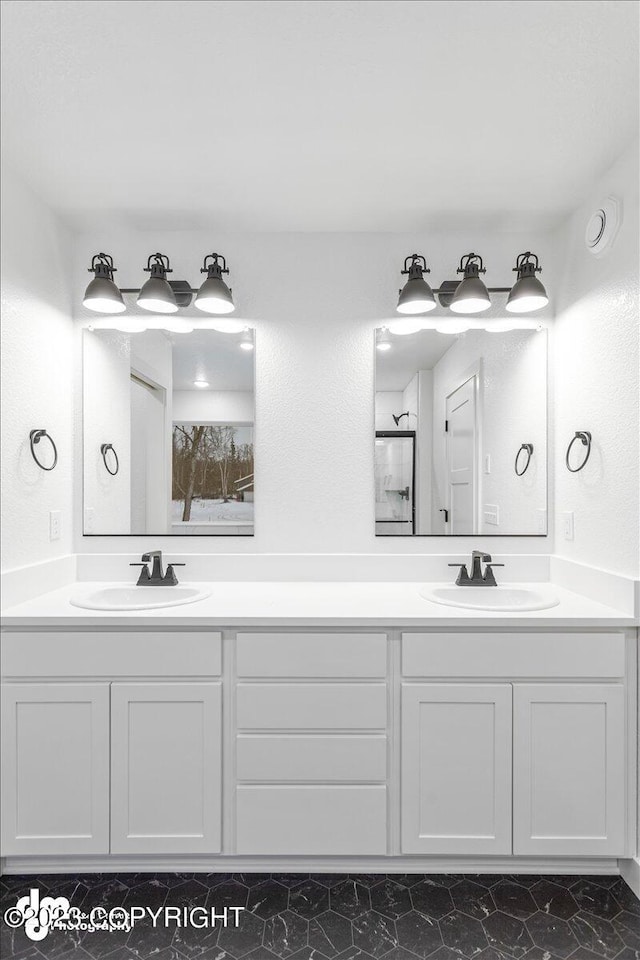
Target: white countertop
(310, 604)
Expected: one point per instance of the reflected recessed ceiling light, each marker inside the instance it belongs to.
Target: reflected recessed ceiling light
(246, 342)
(102, 295)
(203, 384)
(416, 296)
(214, 296)
(156, 294)
(527, 293)
(383, 340)
(471, 295)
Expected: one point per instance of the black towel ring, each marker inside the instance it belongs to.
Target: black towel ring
(104, 449)
(35, 437)
(585, 438)
(528, 449)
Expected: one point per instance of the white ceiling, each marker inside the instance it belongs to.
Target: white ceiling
(211, 356)
(396, 368)
(393, 115)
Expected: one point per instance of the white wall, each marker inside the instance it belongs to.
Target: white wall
(37, 375)
(388, 403)
(315, 300)
(217, 406)
(596, 383)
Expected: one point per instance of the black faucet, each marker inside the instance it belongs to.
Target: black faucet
(477, 578)
(156, 578)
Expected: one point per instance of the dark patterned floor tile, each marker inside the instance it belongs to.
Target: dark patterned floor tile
(291, 879)
(537, 954)
(627, 925)
(307, 953)
(552, 934)
(350, 899)
(102, 943)
(263, 954)
(553, 899)
(168, 953)
(464, 935)
(627, 898)
(446, 953)
(145, 939)
(354, 953)
(327, 879)
(230, 893)
(250, 879)
(120, 953)
(150, 893)
(219, 953)
(190, 893)
(330, 934)
(507, 935)
(628, 954)
(491, 954)
(447, 880)
(399, 953)
(513, 899)
(524, 879)
(267, 899)
(604, 879)
(390, 899)
(15, 943)
(374, 934)
(192, 941)
(286, 933)
(470, 898)
(433, 901)
(418, 934)
(112, 893)
(597, 900)
(309, 899)
(487, 880)
(243, 939)
(406, 879)
(367, 879)
(596, 934)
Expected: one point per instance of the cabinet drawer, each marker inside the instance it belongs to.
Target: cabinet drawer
(513, 654)
(127, 653)
(312, 706)
(346, 820)
(332, 758)
(312, 655)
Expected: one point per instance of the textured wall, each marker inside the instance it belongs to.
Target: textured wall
(315, 300)
(596, 383)
(37, 375)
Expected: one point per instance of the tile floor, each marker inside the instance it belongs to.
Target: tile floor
(340, 917)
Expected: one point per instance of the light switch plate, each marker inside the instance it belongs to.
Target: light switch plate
(55, 525)
(492, 514)
(567, 525)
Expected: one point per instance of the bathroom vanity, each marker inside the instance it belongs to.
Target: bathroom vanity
(389, 734)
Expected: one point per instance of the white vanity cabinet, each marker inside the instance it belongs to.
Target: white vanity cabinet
(55, 768)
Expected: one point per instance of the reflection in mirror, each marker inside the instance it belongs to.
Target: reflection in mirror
(175, 412)
(461, 433)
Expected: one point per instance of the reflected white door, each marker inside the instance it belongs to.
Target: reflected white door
(461, 458)
(149, 495)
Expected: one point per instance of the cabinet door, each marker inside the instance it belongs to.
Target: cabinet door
(456, 768)
(55, 768)
(166, 767)
(569, 776)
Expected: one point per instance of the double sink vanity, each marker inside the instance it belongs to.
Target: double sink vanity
(337, 726)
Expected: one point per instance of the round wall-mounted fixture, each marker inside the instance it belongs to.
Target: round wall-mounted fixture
(156, 294)
(527, 293)
(471, 295)
(102, 295)
(416, 296)
(214, 296)
(602, 227)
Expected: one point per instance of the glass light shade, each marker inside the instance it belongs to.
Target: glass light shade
(214, 296)
(103, 296)
(527, 294)
(471, 296)
(157, 296)
(404, 327)
(416, 297)
(222, 326)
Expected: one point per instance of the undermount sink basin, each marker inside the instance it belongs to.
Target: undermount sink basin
(138, 598)
(506, 598)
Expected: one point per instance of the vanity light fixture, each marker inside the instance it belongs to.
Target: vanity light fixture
(383, 340)
(156, 294)
(102, 295)
(246, 342)
(527, 293)
(416, 296)
(214, 296)
(471, 295)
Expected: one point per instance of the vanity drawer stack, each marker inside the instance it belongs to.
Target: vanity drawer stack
(311, 744)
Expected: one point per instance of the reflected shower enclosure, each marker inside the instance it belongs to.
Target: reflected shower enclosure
(395, 473)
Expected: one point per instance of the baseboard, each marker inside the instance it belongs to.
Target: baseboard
(630, 873)
(210, 864)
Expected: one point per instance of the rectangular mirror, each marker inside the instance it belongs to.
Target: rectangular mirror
(168, 423)
(461, 433)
